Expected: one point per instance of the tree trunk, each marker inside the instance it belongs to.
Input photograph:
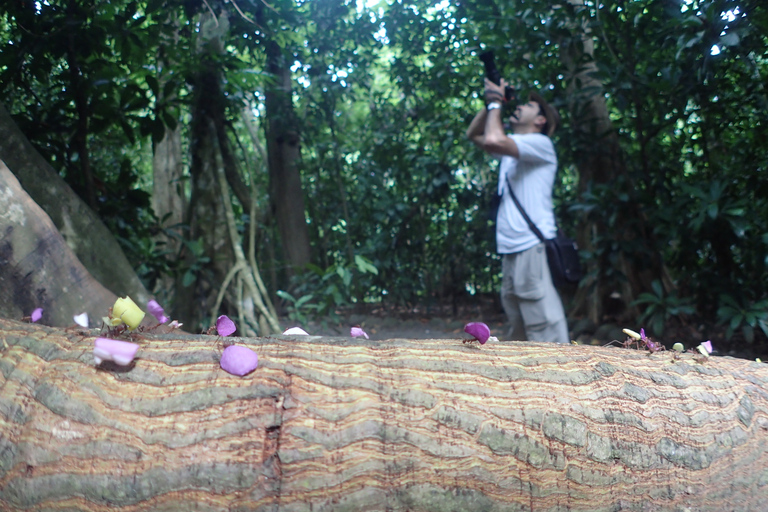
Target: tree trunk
(351, 424)
(169, 202)
(168, 197)
(37, 269)
(598, 158)
(283, 146)
(212, 258)
(209, 256)
(600, 161)
(83, 231)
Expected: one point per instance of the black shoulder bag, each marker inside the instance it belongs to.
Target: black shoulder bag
(562, 252)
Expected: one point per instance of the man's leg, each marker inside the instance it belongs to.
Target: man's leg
(537, 299)
(554, 326)
(509, 300)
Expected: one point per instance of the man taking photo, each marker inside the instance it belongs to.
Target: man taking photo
(528, 168)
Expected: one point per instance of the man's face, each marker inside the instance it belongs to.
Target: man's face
(526, 113)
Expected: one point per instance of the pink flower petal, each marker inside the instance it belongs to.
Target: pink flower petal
(157, 311)
(356, 332)
(36, 315)
(121, 352)
(479, 330)
(707, 346)
(225, 326)
(296, 331)
(239, 360)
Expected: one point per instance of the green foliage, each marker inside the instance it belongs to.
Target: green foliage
(685, 89)
(79, 77)
(383, 96)
(661, 307)
(389, 142)
(319, 293)
(301, 309)
(739, 314)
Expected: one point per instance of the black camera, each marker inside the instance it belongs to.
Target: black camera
(492, 72)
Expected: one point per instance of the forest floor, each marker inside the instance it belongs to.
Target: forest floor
(415, 322)
(447, 321)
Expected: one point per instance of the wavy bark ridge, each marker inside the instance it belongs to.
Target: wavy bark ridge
(340, 424)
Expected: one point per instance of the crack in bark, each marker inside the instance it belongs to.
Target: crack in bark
(272, 440)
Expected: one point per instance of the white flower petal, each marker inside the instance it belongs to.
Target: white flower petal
(81, 320)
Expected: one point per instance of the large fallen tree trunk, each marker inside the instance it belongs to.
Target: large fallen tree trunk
(342, 424)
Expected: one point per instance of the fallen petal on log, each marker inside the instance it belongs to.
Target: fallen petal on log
(121, 352)
(296, 331)
(81, 320)
(239, 360)
(479, 330)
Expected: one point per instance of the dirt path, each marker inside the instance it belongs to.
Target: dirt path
(412, 324)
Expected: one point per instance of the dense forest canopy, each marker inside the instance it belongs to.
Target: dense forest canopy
(339, 129)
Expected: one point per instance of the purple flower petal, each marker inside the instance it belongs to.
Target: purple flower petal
(225, 326)
(642, 334)
(157, 311)
(479, 330)
(121, 352)
(239, 360)
(36, 315)
(356, 332)
(707, 346)
(296, 331)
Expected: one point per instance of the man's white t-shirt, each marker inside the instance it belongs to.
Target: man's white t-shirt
(531, 176)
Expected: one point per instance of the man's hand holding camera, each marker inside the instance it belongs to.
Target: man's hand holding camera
(486, 129)
(495, 92)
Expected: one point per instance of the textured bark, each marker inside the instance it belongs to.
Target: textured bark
(37, 268)
(168, 197)
(88, 237)
(348, 424)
